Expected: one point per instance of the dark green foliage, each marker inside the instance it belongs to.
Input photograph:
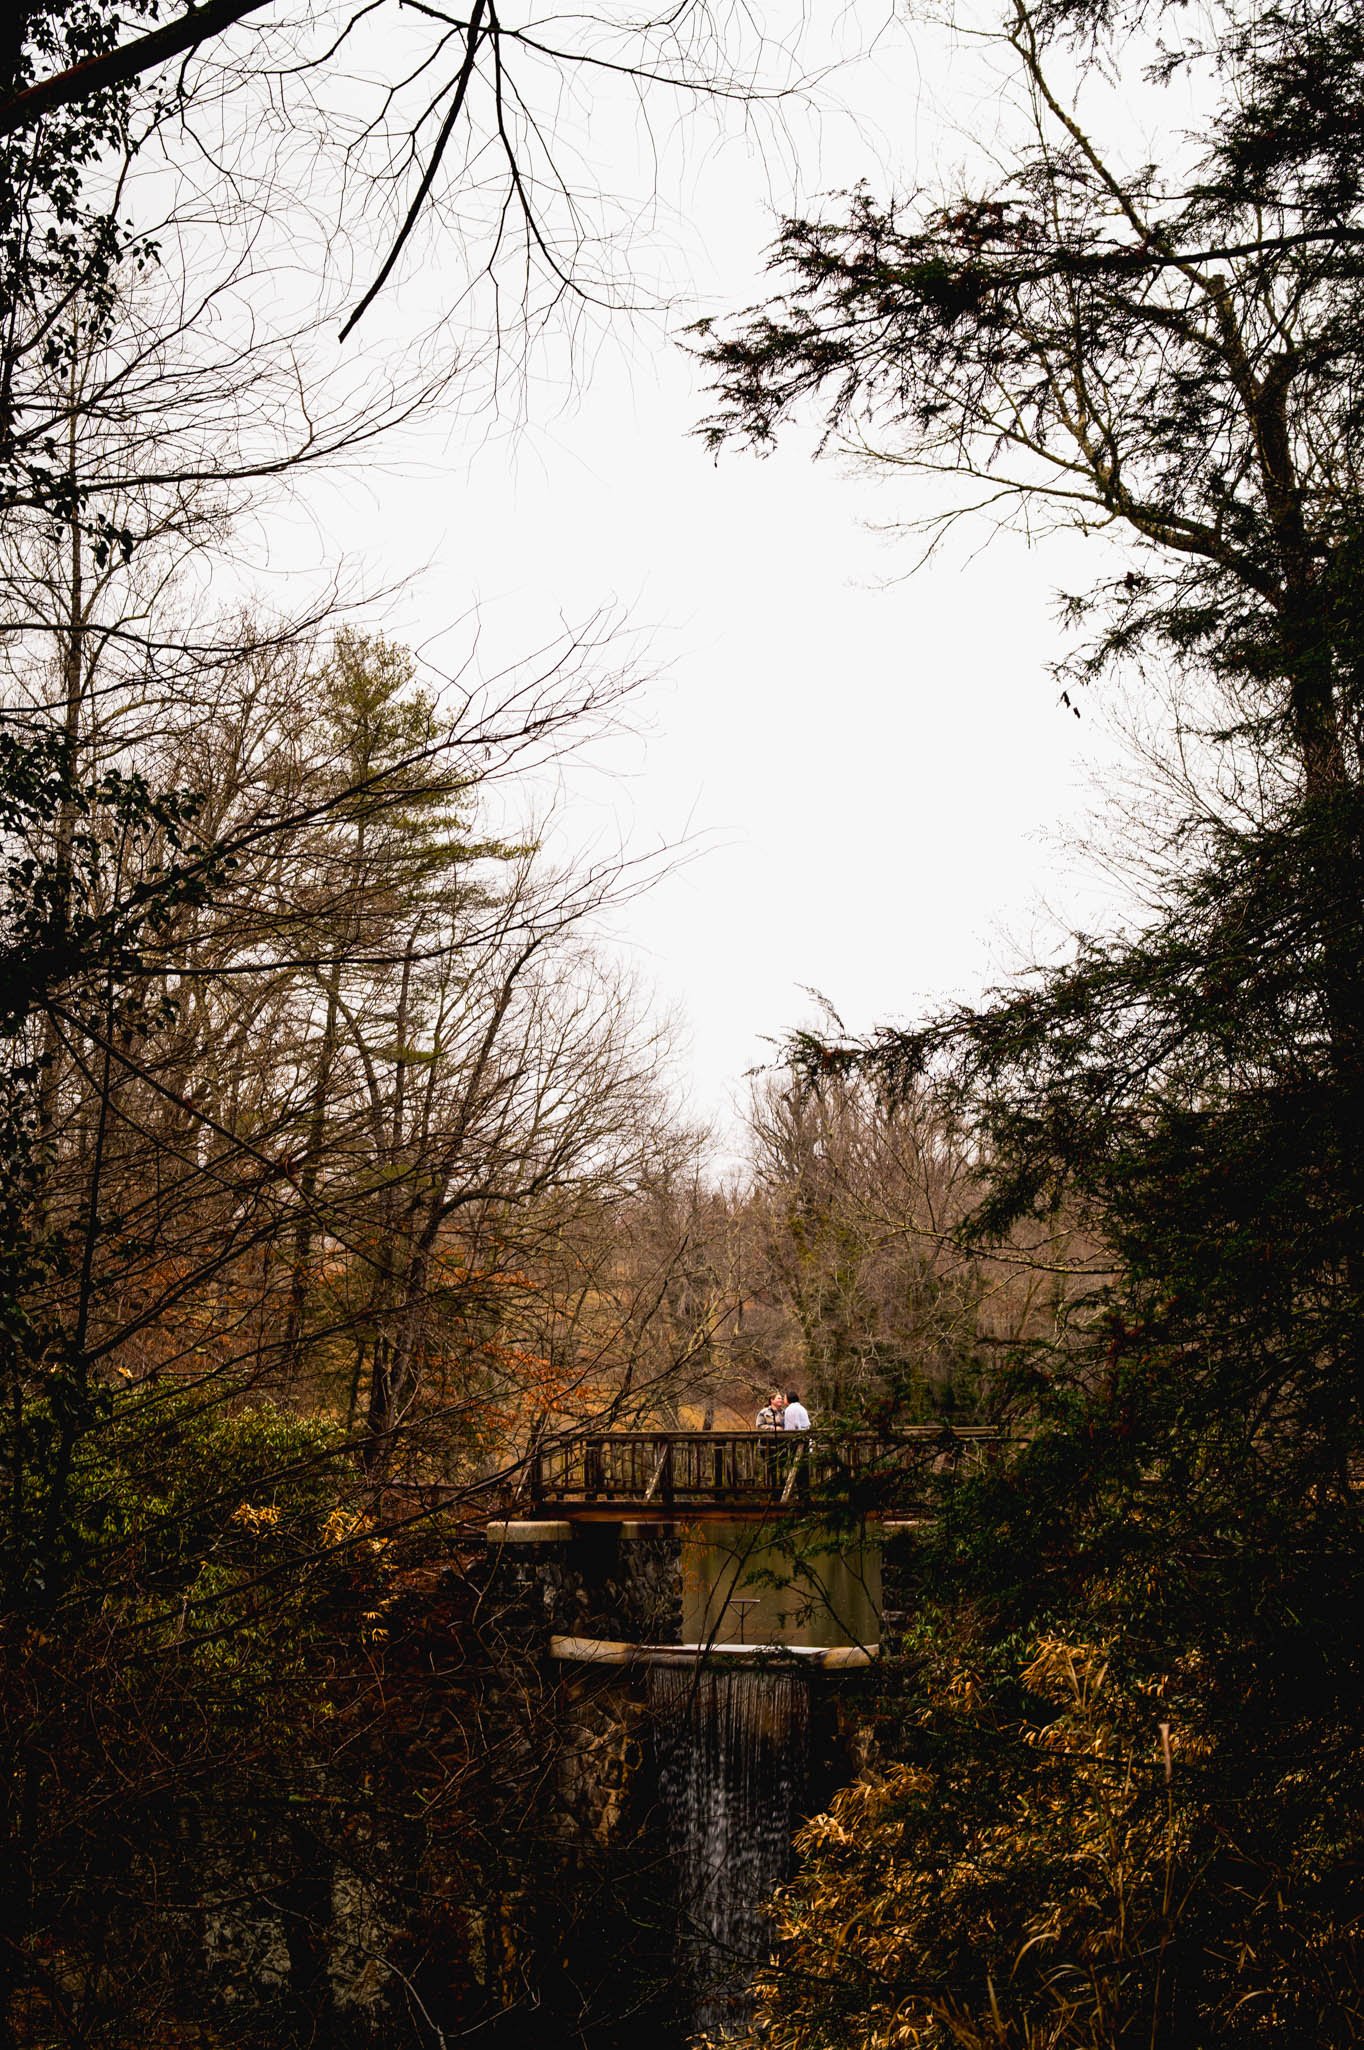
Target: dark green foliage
(270, 1774)
(91, 875)
(62, 241)
(79, 906)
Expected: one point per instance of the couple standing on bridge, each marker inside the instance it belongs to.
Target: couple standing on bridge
(783, 1412)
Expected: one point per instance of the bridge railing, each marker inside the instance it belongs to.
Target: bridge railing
(667, 1469)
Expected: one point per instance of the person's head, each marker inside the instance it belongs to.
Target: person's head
(792, 1395)
(777, 1399)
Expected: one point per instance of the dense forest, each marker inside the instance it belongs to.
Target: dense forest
(339, 1156)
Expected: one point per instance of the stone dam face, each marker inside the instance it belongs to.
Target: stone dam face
(703, 1703)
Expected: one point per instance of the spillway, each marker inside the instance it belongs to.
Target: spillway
(733, 1755)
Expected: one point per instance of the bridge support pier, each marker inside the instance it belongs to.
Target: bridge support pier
(899, 1538)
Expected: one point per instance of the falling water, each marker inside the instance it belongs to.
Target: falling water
(733, 1762)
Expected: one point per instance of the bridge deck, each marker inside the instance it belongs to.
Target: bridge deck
(653, 1473)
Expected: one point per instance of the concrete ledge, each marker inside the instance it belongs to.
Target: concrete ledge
(608, 1651)
(594, 1651)
(511, 1531)
(847, 1658)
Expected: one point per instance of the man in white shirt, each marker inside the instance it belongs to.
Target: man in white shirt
(797, 1416)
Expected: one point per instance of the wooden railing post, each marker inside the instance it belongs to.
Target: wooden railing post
(656, 1477)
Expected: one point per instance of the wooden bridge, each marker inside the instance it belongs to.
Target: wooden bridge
(656, 1474)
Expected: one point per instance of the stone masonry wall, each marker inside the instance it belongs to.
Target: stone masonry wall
(897, 1555)
(598, 1580)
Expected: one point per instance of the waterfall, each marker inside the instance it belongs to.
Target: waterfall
(733, 1764)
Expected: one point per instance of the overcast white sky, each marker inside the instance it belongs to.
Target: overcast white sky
(874, 767)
